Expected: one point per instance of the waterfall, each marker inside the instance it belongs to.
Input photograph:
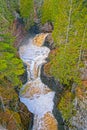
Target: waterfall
(34, 94)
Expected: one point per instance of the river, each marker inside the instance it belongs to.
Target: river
(35, 94)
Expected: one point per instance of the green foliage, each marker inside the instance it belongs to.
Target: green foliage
(65, 66)
(4, 10)
(49, 10)
(61, 22)
(70, 36)
(11, 120)
(27, 12)
(11, 66)
(66, 105)
(7, 8)
(26, 8)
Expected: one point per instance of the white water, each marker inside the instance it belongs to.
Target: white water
(37, 103)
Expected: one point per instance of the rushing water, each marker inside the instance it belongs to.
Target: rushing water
(34, 94)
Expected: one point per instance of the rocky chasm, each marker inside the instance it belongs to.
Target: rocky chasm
(34, 94)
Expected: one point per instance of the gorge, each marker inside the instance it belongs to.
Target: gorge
(34, 94)
(43, 65)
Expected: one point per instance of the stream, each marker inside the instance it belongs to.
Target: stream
(38, 98)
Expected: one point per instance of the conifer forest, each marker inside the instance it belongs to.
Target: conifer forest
(43, 64)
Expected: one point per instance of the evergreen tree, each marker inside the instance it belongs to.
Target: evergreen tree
(70, 36)
(26, 8)
(27, 12)
(49, 10)
(11, 68)
(66, 60)
(12, 112)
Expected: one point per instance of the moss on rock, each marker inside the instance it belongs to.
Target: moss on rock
(66, 105)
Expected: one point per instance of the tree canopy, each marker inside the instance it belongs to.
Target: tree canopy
(70, 36)
(11, 67)
(26, 8)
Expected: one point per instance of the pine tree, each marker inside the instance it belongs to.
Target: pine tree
(70, 36)
(49, 10)
(26, 8)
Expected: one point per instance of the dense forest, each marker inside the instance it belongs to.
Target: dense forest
(67, 59)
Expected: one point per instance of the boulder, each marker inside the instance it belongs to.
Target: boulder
(48, 122)
(47, 27)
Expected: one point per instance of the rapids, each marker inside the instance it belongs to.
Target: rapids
(34, 94)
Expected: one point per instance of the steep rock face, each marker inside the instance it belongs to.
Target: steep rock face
(37, 7)
(84, 74)
(2, 128)
(46, 28)
(79, 121)
(18, 30)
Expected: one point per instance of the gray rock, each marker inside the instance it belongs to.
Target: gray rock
(49, 38)
(2, 128)
(47, 27)
(83, 74)
(79, 121)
